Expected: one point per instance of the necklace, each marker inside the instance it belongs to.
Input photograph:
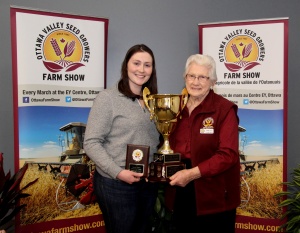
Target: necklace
(141, 105)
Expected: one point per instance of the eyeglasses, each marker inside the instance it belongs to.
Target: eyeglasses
(191, 77)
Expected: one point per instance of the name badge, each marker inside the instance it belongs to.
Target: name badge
(206, 131)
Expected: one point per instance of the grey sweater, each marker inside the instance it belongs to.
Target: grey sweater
(115, 121)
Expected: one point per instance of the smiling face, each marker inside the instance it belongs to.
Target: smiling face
(198, 87)
(139, 68)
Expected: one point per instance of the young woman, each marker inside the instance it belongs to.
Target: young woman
(118, 117)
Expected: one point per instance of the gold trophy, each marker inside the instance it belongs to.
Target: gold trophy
(164, 111)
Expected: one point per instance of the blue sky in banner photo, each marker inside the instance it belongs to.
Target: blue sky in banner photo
(39, 129)
(264, 132)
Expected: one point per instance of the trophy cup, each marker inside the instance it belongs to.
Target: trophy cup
(164, 110)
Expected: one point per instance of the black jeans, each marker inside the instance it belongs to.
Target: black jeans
(186, 219)
(126, 208)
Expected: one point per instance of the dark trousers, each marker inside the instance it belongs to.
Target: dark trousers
(126, 208)
(186, 219)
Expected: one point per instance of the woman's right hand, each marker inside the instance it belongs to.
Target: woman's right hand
(129, 176)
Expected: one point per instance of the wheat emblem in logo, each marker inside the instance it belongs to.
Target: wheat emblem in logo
(241, 53)
(62, 51)
(208, 122)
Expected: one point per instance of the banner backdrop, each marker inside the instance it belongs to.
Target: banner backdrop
(251, 59)
(59, 66)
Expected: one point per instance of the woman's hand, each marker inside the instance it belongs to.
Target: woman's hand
(129, 176)
(183, 177)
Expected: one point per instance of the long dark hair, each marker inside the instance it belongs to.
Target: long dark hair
(123, 84)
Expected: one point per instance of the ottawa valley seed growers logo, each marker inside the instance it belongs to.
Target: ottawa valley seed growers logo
(62, 47)
(241, 49)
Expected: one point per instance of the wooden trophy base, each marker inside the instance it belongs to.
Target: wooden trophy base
(164, 167)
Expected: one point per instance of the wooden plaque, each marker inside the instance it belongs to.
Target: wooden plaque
(137, 158)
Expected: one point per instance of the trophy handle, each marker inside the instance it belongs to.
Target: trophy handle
(146, 93)
(185, 96)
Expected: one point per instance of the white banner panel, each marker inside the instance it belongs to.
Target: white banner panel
(251, 59)
(59, 66)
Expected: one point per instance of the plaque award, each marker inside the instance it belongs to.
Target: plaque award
(164, 111)
(137, 158)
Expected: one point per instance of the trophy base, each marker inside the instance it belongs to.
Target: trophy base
(160, 171)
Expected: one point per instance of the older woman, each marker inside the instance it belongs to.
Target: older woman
(208, 190)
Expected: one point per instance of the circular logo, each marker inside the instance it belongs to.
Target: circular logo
(242, 52)
(62, 47)
(208, 122)
(137, 155)
(241, 49)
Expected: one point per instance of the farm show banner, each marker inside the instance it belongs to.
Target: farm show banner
(251, 59)
(59, 66)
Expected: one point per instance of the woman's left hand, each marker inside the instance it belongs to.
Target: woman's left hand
(183, 177)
